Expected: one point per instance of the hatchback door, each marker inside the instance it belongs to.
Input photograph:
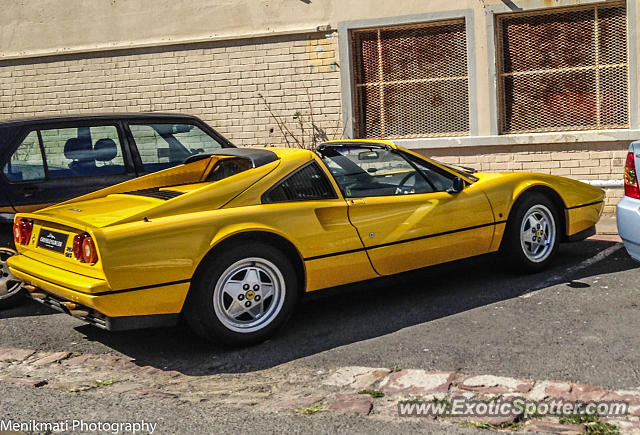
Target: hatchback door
(407, 212)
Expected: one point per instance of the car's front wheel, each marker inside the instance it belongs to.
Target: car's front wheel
(10, 286)
(242, 295)
(532, 234)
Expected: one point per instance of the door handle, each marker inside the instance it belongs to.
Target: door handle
(357, 201)
(28, 191)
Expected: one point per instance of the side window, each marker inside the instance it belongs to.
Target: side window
(26, 163)
(162, 146)
(440, 181)
(306, 184)
(364, 172)
(83, 151)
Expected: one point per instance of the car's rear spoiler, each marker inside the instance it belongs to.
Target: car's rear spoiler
(257, 156)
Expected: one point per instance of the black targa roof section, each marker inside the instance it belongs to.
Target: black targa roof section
(257, 156)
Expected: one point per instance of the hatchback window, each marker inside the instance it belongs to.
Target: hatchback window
(83, 151)
(26, 163)
(162, 146)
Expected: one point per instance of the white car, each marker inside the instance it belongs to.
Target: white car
(628, 210)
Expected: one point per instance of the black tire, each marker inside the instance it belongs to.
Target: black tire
(512, 249)
(209, 320)
(8, 282)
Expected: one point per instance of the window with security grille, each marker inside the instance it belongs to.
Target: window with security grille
(411, 81)
(563, 70)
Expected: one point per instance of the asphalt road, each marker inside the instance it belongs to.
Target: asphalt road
(577, 321)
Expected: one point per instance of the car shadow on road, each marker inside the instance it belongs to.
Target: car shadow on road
(26, 309)
(348, 314)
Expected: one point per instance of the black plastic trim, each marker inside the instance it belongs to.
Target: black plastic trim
(257, 156)
(581, 235)
(135, 289)
(584, 205)
(126, 323)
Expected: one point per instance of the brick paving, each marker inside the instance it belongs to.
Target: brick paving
(366, 391)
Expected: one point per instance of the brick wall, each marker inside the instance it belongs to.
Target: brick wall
(219, 82)
(223, 82)
(593, 161)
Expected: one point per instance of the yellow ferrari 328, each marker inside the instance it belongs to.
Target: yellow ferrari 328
(232, 238)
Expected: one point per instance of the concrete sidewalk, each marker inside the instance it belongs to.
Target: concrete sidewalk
(607, 224)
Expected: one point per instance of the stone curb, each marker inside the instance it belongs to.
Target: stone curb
(364, 391)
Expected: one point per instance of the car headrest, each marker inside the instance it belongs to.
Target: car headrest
(78, 149)
(105, 150)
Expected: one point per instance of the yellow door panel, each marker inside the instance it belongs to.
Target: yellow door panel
(426, 252)
(323, 272)
(387, 223)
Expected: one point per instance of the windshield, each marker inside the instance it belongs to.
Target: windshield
(461, 170)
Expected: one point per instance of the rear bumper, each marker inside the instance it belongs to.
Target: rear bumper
(141, 307)
(628, 218)
(89, 315)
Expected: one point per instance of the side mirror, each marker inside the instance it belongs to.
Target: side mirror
(458, 185)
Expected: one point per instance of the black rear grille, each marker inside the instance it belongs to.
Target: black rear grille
(155, 192)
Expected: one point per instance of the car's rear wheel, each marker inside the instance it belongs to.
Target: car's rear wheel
(243, 295)
(532, 235)
(10, 286)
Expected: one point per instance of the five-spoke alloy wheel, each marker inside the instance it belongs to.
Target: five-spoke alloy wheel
(242, 294)
(537, 233)
(249, 295)
(531, 238)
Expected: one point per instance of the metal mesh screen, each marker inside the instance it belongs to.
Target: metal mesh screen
(411, 81)
(563, 70)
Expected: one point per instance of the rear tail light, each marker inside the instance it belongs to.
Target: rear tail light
(77, 246)
(89, 254)
(84, 249)
(631, 178)
(22, 230)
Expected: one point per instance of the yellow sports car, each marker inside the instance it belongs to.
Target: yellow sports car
(232, 238)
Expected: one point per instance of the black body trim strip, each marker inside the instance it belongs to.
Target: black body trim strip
(584, 205)
(135, 289)
(317, 257)
(405, 241)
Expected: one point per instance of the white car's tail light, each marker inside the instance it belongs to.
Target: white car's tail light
(630, 178)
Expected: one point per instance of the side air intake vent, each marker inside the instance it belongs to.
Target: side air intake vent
(155, 192)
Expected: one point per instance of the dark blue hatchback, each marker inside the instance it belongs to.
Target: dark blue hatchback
(48, 160)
